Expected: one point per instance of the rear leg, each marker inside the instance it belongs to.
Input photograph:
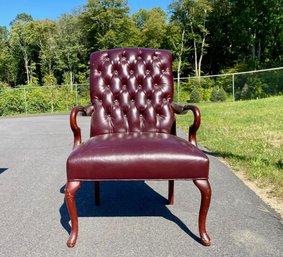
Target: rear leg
(171, 192)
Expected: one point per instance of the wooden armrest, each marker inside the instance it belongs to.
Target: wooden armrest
(87, 110)
(179, 109)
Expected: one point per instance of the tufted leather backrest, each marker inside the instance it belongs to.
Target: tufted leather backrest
(131, 90)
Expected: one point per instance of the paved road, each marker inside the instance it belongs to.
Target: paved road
(133, 219)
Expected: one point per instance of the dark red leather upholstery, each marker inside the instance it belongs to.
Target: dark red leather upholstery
(133, 130)
(131, 90)
(137, 156)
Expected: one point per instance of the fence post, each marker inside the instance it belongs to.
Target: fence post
(178, 88)
(233, 85)
(76, 94)
(25, 98)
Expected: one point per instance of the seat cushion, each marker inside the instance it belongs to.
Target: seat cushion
(136, 156)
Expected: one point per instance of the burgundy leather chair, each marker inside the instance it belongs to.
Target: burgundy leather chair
(133, 130)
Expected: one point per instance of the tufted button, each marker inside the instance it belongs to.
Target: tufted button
(147, 71)
(97, 72)
(115, 72)
(131, 71)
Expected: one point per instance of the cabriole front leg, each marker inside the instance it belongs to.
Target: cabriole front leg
(204, 187)
(70, 191)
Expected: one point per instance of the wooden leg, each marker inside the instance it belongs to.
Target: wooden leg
(70, 191)
(97, 192)
(204, 187)
(171, 192)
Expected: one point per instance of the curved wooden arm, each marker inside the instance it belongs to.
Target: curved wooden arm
(87, 110)
(179, 109)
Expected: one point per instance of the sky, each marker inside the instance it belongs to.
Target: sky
(52, 9)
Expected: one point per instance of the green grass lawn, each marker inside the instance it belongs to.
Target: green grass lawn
(248, 135)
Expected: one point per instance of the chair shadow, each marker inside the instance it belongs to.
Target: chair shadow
(3, 170)
(121, 199)
(226, 155)
(265, 161)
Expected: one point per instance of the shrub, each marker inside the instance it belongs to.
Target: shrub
(214, 95)
(38, 100)
(196, 96)
(221, 95)
(12, 102)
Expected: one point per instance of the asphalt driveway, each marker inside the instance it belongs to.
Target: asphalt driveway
(133, 218)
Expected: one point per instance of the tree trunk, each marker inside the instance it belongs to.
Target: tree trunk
(180, 63)
(196, 59)
(259, 50)
(201, 55)
(27, 70)
(71, 80)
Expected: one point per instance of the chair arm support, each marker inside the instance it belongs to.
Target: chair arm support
(87, 110)
(179, 109)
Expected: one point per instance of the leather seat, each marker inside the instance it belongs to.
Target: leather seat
(137, 156)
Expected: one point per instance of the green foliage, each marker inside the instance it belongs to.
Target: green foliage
(253, 88)
(4, 85)
(221, 95)
(196, 96)
(36, 99)
(214, 95)
(49, 80)
(11, 102)
(152, 25)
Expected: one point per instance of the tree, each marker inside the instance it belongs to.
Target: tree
(21, 17)
(70, 48)
(192, 17)
(102, 22)
(22, 42)
(256, 27)
(5, 57)
(152, 25)
(221, 51)
(46, 35)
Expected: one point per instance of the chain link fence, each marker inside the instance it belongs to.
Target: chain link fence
(45, 99)
(234, 86)
(222, 87)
